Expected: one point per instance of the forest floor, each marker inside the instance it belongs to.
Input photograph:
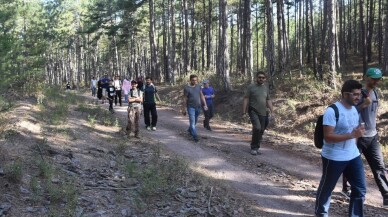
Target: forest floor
(83, 164)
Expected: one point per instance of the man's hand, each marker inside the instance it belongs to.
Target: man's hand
(205, 108)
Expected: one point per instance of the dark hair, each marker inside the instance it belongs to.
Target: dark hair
(260, 73)
(193, 76)
(148, 77)
(350, 85)
(133, 82)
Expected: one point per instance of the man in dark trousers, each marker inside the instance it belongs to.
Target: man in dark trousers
(149, 104)
(340, 154)
(258, 104)
(369, 144)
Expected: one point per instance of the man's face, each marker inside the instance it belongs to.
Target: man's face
(206, 85)
(260, 79)
(148, 81)
(134, 84)
(372, 82)
(352, 98)
(194, 81)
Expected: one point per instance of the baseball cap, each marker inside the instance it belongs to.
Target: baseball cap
(374, 73)
(206, 81)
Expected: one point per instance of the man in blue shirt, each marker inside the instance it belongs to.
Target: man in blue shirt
(208, 93)
(340, 153)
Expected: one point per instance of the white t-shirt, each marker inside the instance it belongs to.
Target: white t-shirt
(94, 83)
(117, 84)
(348, 120)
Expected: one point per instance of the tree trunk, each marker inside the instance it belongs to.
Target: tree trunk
(323, 39)
(385, 66)
(270, 54)
(363, 37)
(173, 43)
(370, 29)
(154, 58)
(315, 61)
(223, 56)
(331, 4)
(209, 36)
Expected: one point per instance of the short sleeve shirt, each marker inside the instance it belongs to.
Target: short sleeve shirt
(347, 121)
(149, 93)
(135, 93)
(193, 95)
(258, 96)
(368, 115)
(208, 92)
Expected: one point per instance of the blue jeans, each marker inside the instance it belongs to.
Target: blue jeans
(331, 171)
(126, 98)
(193, 118)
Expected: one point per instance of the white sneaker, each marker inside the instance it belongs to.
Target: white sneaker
(153, 128)
(253, 152)
(148, 128)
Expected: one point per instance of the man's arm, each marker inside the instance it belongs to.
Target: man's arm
(366, 100)
(331, 137)
(245, 105)
(270, 106)
(203, 100)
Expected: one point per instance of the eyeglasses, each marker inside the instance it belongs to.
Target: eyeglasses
(354, 94)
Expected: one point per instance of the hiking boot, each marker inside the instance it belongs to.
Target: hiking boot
(208, 128)
(346, 194)
(153, 128)
(196, 140)
(148, 128)
(253, 152)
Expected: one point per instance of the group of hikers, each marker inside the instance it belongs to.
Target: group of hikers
(349, 127)
(140, 98)
(349, 130)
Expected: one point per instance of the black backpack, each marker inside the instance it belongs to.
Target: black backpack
(318, 132)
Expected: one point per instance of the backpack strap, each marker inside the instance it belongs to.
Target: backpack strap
(336, 112)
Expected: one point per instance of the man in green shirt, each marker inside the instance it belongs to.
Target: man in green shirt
(257, 104)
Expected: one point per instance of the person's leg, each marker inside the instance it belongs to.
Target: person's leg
(345, 186)
(207, 118)
(373, 154)
(262, 120)
(331, 171)
(256, 127)
(130, 120)
(118, 93)
(136, 121)
(126, 98)
(116, 98)
(110, 104)
(146, 112)
(191, 113)
(356, 176)
(154, 115)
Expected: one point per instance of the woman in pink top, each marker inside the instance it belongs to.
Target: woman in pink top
(126, 88)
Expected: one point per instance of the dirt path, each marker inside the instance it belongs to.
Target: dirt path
(281, 181)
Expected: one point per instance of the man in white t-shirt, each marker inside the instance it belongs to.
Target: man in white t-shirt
(117, 85)
(93, 86)
(340, 153)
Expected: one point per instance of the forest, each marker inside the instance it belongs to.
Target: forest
(51, 42)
